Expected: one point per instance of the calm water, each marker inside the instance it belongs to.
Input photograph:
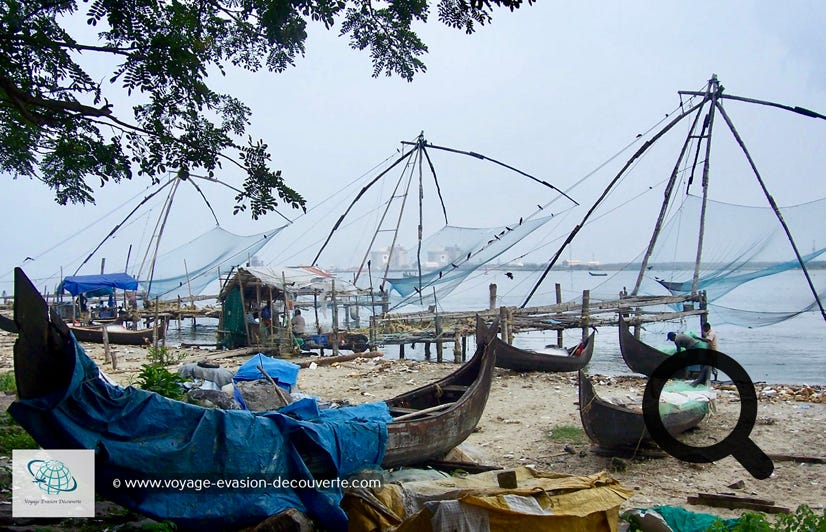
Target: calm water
(789, 352)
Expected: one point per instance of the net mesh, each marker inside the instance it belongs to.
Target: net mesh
(452, 254)
(191, 267)
(746, 258)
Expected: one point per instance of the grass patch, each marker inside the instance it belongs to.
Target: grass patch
(7, 383)
(12, 436)
(567, 434)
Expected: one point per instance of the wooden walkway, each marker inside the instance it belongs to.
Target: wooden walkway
(454, 327)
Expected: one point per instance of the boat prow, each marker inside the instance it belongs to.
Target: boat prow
(437, 417)
(550, 359)
(639, 356)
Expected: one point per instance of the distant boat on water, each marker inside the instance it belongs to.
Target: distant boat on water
(598, 274)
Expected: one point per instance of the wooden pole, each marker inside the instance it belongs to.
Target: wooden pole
(107, 356)
(155, 325)
(315, 309)
(439, 342)
(492, 296)
(503, 323)
(669, 189)
(774, 207)
(401, 351)
(335, 317)
(559, 339)
(457, 347)
(713, 88)
(188, 285)
(586, 312)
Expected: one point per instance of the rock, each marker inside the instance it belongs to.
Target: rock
(737, 485)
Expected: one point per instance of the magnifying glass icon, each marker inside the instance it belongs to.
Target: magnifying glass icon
(737, 443)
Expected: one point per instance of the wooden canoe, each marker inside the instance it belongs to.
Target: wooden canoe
(117, 334)
(639, 356)
(440, 415)
(622, 429)
(550, 359)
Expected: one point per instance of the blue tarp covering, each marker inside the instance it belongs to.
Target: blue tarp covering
(139, 435)
(285, 374)
(81, 284)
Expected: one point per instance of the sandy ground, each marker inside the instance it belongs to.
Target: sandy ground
(523, 409)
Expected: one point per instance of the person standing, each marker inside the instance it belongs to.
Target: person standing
(710, 336)
(711, 339)
(298, 323)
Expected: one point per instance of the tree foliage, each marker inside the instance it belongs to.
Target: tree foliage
(57, 125)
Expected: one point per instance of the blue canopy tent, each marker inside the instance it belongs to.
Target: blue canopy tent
(98, 285)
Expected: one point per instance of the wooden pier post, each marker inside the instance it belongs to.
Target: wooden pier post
(492, 296)
(503, 323)
(457, 347)
(464, 348)
(439, 342)
(586, 312)
(510, 326)
(335, 317)
(427, 351)
(401, 351)
(558, 302)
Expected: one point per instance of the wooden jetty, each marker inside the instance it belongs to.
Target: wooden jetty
(439, 328)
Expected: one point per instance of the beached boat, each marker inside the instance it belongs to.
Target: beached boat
(65, 403)
(621, 429)
(437, 417)
(549, 359)
(117, 334)
(639, 356)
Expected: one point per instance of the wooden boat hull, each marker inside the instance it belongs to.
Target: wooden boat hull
(558, 360)
(622, 429)
(639, 356)
(432, 435)
(118, 336)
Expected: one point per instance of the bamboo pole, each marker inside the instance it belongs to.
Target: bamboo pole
(586, 312)
(667, 194)
(335, 317)
(774, 207)
(558, 289)
(602, 197)
(492, 296)
(714, 89)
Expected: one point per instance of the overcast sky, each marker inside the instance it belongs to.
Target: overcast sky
(555, 89)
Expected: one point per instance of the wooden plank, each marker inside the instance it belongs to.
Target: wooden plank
(733, 502)
(798, 458)
(326, 361)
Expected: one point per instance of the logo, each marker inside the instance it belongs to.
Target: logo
(53, 483)
(52, 476)
(737, 443)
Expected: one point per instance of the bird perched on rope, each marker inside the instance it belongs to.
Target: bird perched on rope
(509, 275)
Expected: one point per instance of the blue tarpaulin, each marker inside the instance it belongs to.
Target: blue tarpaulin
(285, 374)
(82, 284)
(140, 435)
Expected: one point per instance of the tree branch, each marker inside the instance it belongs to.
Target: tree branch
(23, 101)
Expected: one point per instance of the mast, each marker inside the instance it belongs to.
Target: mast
(669, 189)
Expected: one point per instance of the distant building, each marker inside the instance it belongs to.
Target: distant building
(398, 260)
